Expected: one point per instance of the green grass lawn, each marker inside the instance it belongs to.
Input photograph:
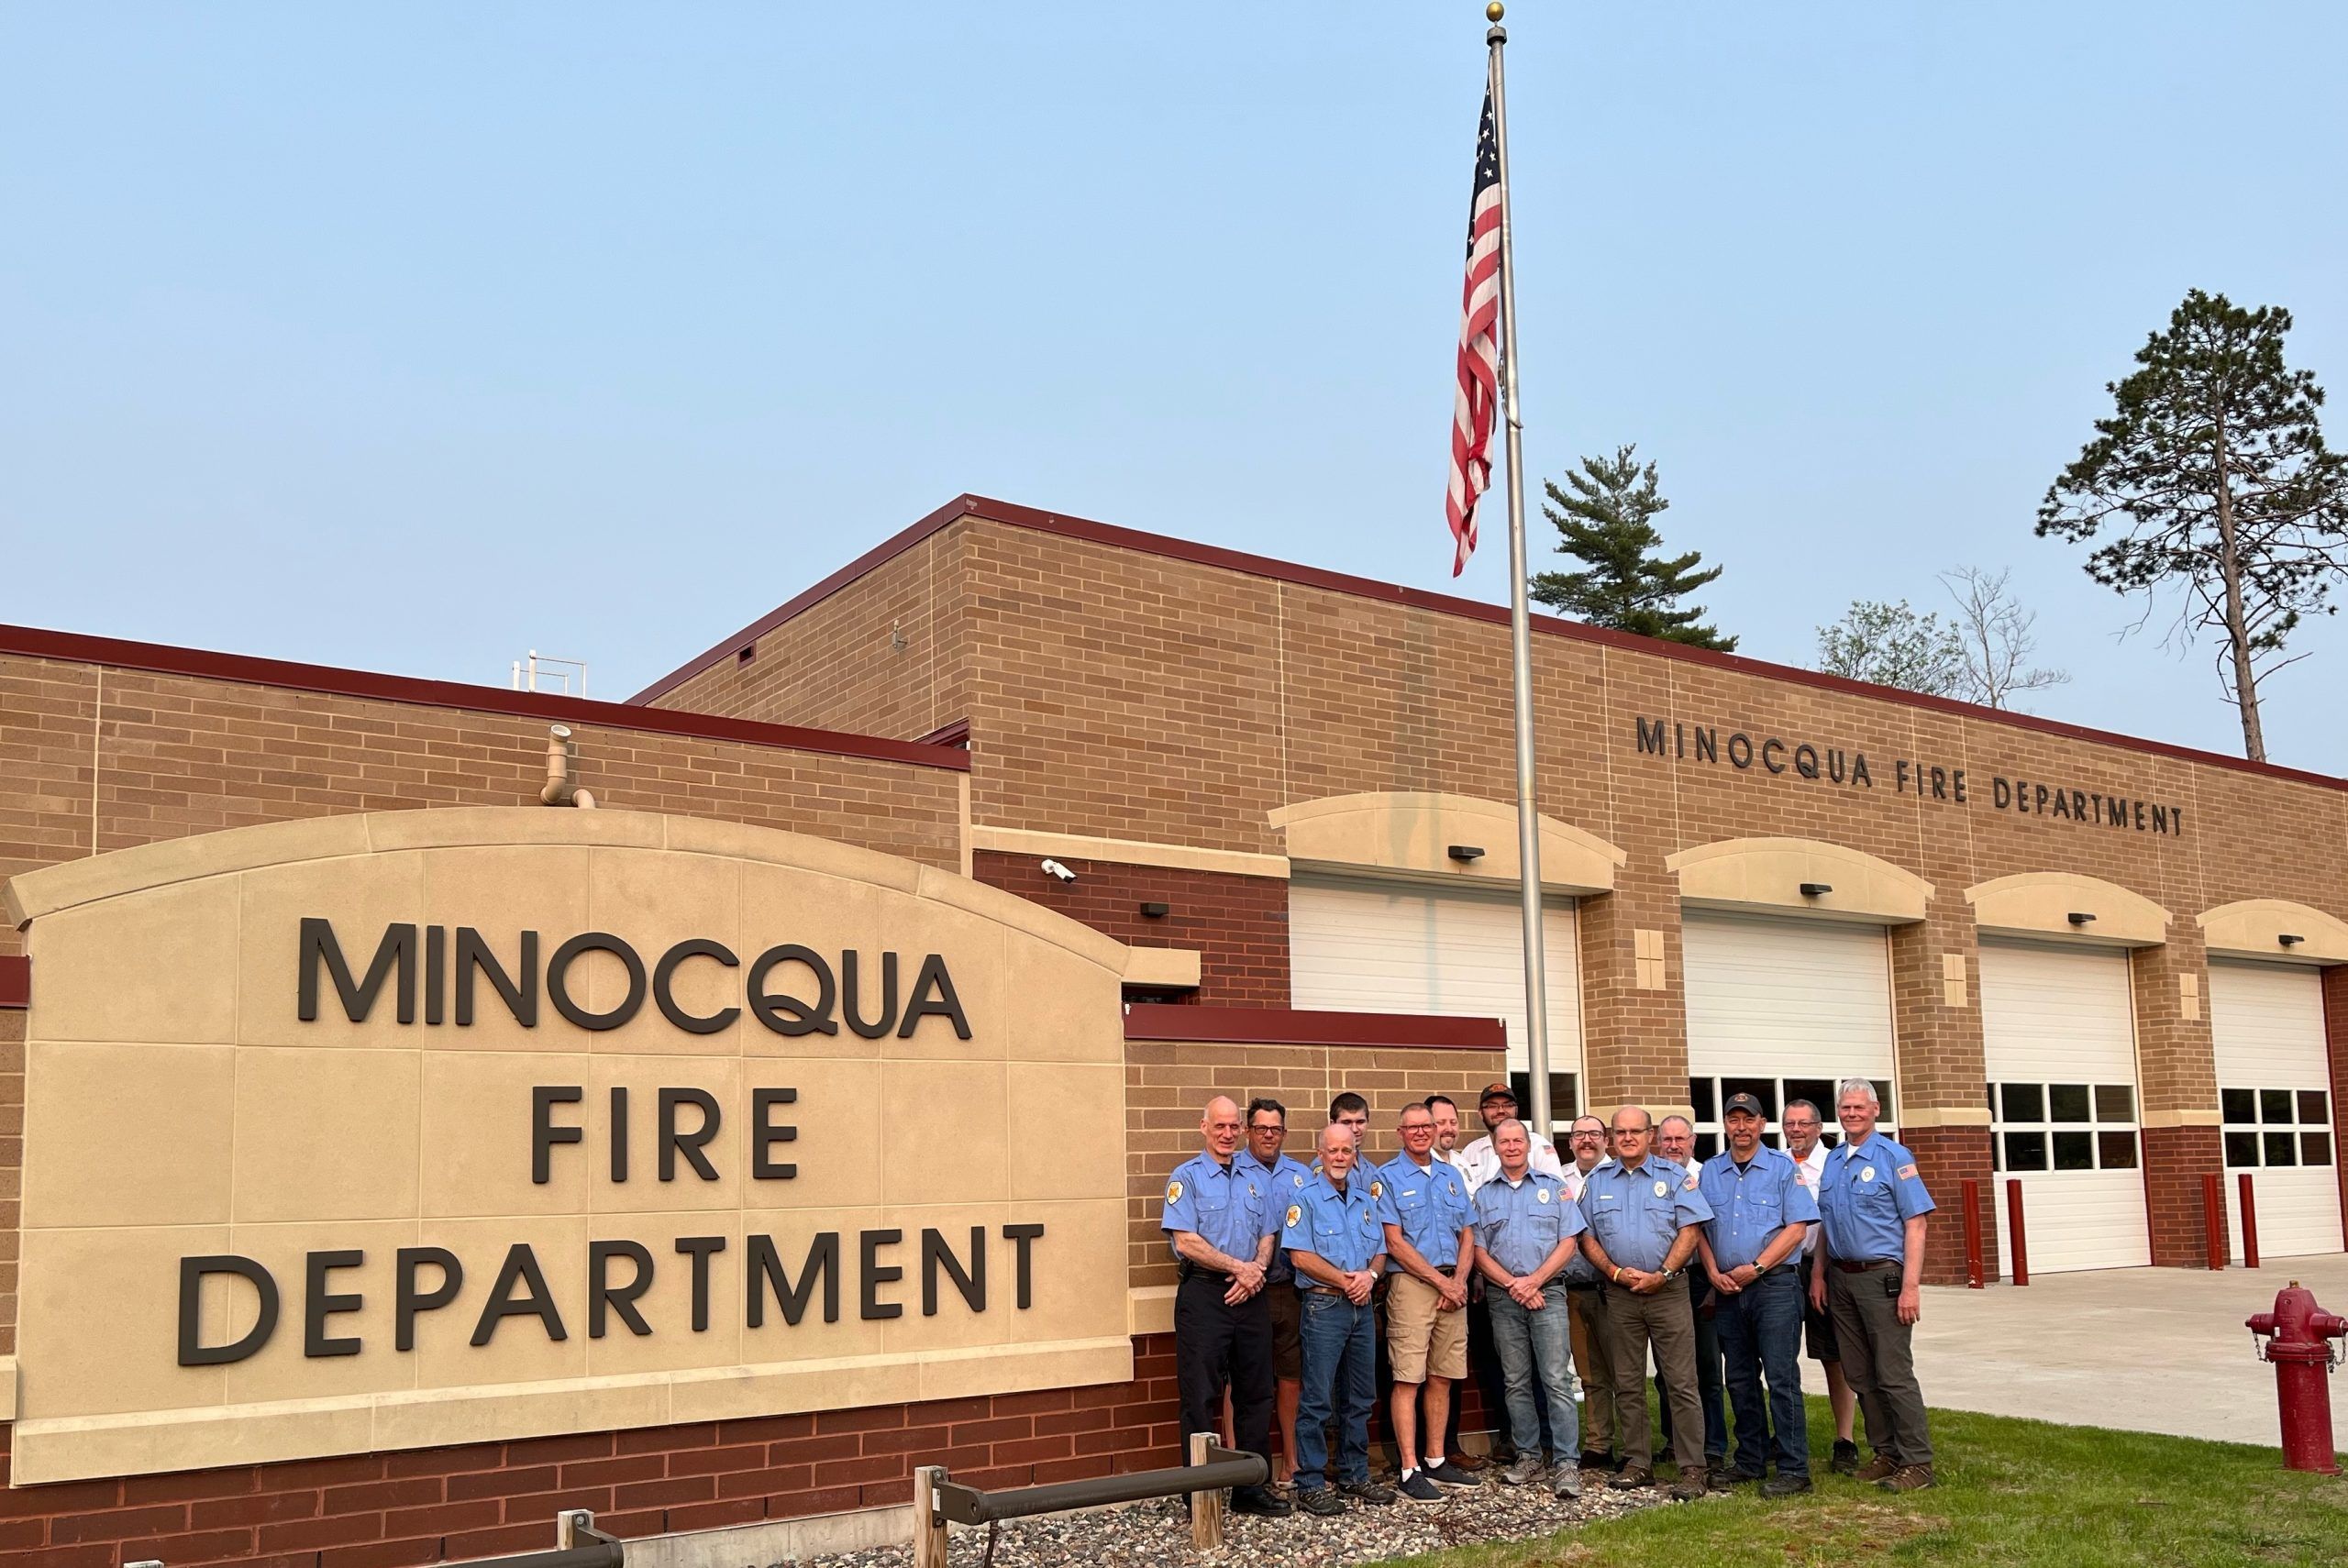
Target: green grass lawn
(2011, 1491)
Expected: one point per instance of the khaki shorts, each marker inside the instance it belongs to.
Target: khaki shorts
(1419, 1338)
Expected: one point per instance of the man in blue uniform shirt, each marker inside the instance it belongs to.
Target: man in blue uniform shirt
(1219, 1218)
(1339, 1248)
(1266, 1131)
(1431, 1258)
(1871, 1205)
(1762, 1208)
(1643, 1212)
(1526, 1226)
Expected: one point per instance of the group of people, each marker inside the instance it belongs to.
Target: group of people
(1551, 1275)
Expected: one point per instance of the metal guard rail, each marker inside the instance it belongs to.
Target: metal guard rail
(970, 1506)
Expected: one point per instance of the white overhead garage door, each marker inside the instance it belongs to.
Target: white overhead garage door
(1362, 946)
(2058, 1027)
(2273, 1078)
(1782, 1010)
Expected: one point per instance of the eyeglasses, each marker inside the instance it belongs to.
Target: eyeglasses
(1416, 1127)
(1579, 1136)
(1268, 1127)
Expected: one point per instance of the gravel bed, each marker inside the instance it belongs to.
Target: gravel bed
(1156, 1534)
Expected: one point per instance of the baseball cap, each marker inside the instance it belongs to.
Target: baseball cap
(1745, 1102)
(1496, 1091)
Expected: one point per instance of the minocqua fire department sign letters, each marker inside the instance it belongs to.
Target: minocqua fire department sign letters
(435, 1127)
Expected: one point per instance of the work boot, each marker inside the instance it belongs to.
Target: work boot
(1369, 1492)
(1907, 1478)
(1320, 1502)
(1595, 1463)
(1522, 1472)
(1689, 1487)
(1261, 1501)
(1846, 1457)
(1882, 1467)
(1785, 1486)
(1631, 1477)
(1471, 1463)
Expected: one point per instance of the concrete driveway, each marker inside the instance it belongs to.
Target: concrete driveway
(2152, 1350)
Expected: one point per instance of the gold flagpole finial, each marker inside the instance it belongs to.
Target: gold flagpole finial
(1495, 11)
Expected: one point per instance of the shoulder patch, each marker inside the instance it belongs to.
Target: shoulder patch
(1907, 1172)
(1173, 1192)
(1295, 1212)
(1690, 1184)
(1377, 1190)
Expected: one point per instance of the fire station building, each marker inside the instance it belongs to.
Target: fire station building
(393, 1152)
(2103, 966)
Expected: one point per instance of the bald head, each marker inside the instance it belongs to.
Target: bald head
(1337, 1150)
(1220, 1128)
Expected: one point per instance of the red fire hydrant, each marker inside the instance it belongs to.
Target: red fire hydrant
(2303, 1364)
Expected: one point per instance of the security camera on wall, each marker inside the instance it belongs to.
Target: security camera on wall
(1058, 872)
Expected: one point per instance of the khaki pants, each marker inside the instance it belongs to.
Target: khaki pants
(1661, 1320)
(1594, 1360)
(1879, 1362)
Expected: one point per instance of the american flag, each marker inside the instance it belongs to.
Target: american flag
(1479, 353)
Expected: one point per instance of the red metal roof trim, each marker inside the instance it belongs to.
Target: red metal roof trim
(73, 648)
(15, 982)
(1009, 513)
(1282, 1026)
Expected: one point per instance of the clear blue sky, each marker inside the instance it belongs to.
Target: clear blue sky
(410, 336)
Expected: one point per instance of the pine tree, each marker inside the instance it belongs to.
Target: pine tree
(2211, 478)
(1629, 586)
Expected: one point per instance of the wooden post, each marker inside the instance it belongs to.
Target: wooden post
(1206, 1508)
(930, 1525)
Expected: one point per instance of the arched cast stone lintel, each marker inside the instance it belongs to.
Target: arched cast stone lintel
(1410, 834)
(2255, 928)
(33, 894)
(1769, 873)
(2041, 903)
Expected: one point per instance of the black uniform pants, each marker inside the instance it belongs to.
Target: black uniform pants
(1216, 1345)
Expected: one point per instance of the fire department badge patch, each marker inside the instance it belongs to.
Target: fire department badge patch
(1295, 1212)
(1544, 1195)
(1173, 1192)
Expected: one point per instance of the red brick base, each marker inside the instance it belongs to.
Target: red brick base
(1947, 1157)
(1239, 924)
(2175, 1159)
(382, 1510)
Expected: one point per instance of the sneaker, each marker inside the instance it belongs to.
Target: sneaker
(1565, 1481)
(1522, 1472)
(1907, 1478)
(1261, 1501)
(1846, 1457)
(1785, 1486)
(1369, 1492)
(1882, 1467)
(1689, 1487)
(1320, 1501)
(1597, 1464)
(1631, 1477)
(1416, 1485)
(1443, 1472)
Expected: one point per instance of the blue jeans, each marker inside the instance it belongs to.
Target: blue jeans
(1538, 1343)
(1760, 1330)
(1340, 1356)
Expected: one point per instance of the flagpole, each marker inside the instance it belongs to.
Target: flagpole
(1519, 624)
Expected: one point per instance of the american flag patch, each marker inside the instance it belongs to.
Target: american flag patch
(1907, 1172)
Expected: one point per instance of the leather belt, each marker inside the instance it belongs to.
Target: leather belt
(1864, 1264)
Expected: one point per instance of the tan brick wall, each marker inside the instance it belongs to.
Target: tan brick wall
(1167, 1084)
(12, 1159)
(837, 665)
(108, 758)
